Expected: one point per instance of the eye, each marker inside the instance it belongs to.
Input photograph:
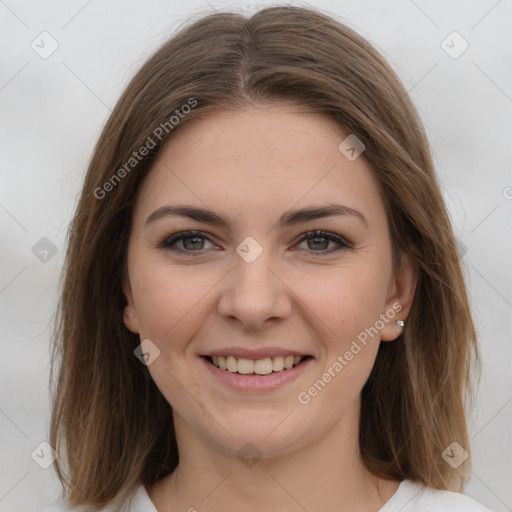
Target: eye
(193, 242)
(319, 240)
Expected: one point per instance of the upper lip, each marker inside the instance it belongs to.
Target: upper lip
(260, 353)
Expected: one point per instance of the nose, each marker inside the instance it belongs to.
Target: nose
(254, 294)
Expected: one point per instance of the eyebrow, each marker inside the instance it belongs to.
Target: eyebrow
(289, 218)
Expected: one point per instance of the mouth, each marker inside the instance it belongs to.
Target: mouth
(265, 366)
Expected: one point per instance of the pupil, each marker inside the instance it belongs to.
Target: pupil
(316, 239)
(194, 244)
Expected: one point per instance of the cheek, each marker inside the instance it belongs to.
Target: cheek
(169, 300)
(345, 302)
(171, 307)
(346, 310)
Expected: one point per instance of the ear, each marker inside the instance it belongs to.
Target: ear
(400, 297)
(130, 313)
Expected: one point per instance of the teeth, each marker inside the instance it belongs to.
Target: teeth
(263, 366)
(258, 366)
(245, 366)
(231, 364)
(277, 364)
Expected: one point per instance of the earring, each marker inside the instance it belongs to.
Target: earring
(400, 325)
(131, 314)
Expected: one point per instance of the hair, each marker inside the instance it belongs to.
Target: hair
(111, 425)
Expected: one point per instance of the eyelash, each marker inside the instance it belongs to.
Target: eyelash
(171, 240)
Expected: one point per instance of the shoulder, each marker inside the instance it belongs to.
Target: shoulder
(64, 506)
(452, 501)
(414, 497)
(139, 502)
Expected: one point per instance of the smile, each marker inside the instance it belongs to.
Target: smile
(263, 366)
(268, 372)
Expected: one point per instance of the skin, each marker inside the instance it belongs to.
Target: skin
(251, 166)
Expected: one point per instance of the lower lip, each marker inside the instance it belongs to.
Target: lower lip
(257, 383)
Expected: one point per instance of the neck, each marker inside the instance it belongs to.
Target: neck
(326, 474)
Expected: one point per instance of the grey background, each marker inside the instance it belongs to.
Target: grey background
(53, 109)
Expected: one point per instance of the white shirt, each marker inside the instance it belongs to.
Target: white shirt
(409, 497)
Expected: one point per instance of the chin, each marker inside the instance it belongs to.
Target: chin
(270, 436)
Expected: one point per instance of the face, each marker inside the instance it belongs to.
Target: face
(261, 288)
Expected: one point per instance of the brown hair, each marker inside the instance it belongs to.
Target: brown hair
(110, 423)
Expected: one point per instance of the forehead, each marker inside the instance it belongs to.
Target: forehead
(277, 135)
(259, 162)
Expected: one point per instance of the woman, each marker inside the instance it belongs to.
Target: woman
(263, 307)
